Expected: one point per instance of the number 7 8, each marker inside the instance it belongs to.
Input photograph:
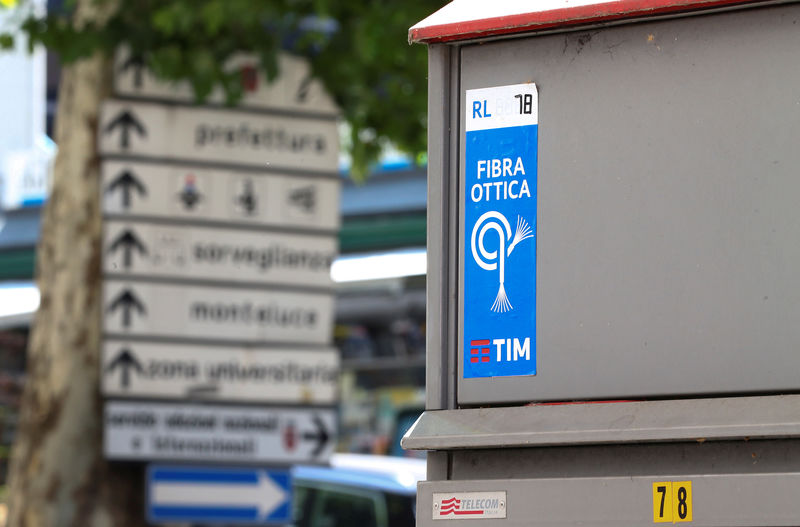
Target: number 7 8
(672, 501)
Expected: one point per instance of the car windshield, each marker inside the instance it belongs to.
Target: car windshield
(342, 506)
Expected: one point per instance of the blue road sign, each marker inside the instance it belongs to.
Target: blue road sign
(499, 241)
(207, 495)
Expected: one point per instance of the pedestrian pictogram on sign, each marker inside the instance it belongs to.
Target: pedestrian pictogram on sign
(189, 194)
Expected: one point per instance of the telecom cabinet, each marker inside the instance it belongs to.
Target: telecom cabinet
(613, 256)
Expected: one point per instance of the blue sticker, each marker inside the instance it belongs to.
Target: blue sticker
(499, 243)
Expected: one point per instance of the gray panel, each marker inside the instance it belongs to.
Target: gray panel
(439, 388)
(438, 465)
(546, 425)
(718, 500)
(668, 219)
(670, 459)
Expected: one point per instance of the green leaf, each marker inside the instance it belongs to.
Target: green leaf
(358, 50)
(6, 41)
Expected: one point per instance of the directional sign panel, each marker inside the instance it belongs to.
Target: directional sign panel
(156, 431)
(210, 313)
(166, 251)
(213, 195)
(218, 136)
(295, 90)
(206, 495)
(175, 371)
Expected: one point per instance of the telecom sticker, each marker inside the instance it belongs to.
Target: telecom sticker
(499, 243)
(469, 505)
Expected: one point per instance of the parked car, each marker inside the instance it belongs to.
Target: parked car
(358, 491)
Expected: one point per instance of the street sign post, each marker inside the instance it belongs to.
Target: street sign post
(196, 494)
(148, 431)
(612, 300)
(296, 91)
(151, 310)
(202, 195)
(217, 254)
(215, 136)
(220, 228)
(161, 370)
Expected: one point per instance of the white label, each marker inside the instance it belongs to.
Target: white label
(211, 195)
(294, 90)
(199, 135)
(502, 107)
(196, 312)
(161, 370)
(159, 431)
(217, 254)
(469, 505)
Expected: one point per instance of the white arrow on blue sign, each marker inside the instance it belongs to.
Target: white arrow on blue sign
(194, 494)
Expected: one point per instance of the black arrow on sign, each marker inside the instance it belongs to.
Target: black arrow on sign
(129, 242)
(247, 199)
(137, 63)
(127, 121)
(127, 301)
(126, 181)
(302, 90)
(320, 435)
(125, 361)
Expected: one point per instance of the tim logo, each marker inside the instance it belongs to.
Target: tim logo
(469, 505)
(505, 350)
(453, 506)
(479, 351)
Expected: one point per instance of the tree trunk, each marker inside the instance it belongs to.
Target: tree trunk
(58, 475)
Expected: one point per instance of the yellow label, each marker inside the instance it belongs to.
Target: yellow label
(662, 502)
(8, 3)
(672, 501)
(682, 500)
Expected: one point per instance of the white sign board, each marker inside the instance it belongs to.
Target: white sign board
(213, 195)
(206, 135)
(147, 309)
(294, 90)
(183, 432)
(205, 253)
(176, 371)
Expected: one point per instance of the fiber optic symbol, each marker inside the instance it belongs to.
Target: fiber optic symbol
(491, 260)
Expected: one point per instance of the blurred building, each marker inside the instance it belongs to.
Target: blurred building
(26, 155)
(380, 312)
